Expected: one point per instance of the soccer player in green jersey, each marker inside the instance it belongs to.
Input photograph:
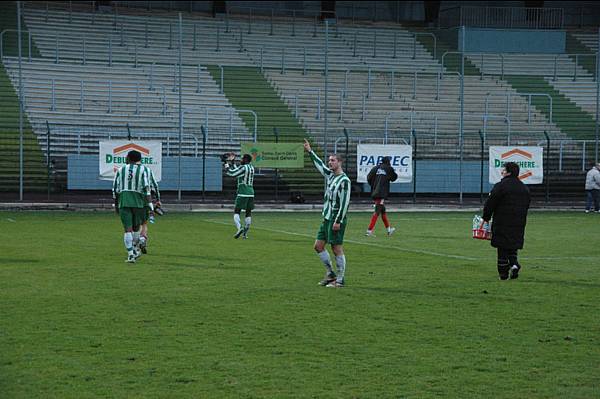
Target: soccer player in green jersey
(155, 192)
(335, 209)
(245, 191)
(131, 192)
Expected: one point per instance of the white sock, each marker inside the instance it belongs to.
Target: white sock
(128, 240)
(324, 256)
(340, 261)
(248, 221)
(236, 220)
(136, 237)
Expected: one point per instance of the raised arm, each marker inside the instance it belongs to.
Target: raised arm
(319, 164)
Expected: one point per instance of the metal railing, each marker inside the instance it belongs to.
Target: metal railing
(503, 17)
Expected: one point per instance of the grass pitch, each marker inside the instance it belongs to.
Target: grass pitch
(206, 316)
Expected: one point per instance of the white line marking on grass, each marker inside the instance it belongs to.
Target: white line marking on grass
(370, 244)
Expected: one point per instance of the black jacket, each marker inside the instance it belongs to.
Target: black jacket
(508, 204)
(379, 179)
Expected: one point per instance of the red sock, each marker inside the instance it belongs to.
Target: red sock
(385, 220)
(373, 221)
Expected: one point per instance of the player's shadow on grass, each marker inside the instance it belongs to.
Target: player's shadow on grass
(434, 293)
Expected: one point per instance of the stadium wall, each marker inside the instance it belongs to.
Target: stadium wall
(83, 174)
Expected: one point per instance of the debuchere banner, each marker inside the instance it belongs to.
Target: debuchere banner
(275, 155)
(369, 155)
(113, 154)
(529, 159)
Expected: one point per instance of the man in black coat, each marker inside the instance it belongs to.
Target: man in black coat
(508, 204)
(379, 179)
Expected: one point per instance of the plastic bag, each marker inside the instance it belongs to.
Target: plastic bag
(482, 230)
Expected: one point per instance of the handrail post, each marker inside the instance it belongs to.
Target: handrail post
(152, 76)
(392, 85)
(29, 45)
(437, 87)
(369, 82)
(481, 75)
(575, 69)
(550, 97)
(415, 86)
(261, 59)
(194, 39)
(319, 104)
(81, 97)
(296, 104)
(122, 43)
(170, 36)
(135, 55)
(304, 65)
(198, 79)
(146, 35)
(364, 108)
(294, 23)
(222, 73)
(53, 96)
(175, 86)
(385, 127)
(83, 51)
(375, 43)
(164, 101)
(529, 109)
(395, 43)
(137, 98)
(271, 32)
(555, 66)
(56, 51)
(354, 46)
(109, 96)
(414, 56)
(241, 43)
(315, 28)
(346, 73)
(109, 52)
(230, 124)
(218, 40)
(341, 105)
(283, 60)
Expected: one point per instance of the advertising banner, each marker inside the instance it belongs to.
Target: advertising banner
(113, 154)
(369, 155)
(275, 155)
(529, 159)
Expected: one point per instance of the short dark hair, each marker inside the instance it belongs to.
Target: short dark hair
(134, 156)
(338, 157)
(512, 168)
(386, 160)
(247, 158)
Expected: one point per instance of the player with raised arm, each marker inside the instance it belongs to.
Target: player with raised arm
(131, 192)
(244, 173)
(335, 208)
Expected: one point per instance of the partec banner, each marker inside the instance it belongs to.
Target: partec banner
(275, 155)
(113, 154)
(529, 159)
(369, 155)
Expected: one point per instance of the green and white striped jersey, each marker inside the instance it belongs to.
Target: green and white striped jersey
(337, 195)
(245, 179)
(132, 186)
(153, 183)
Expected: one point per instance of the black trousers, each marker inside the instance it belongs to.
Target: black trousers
(506, 259)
